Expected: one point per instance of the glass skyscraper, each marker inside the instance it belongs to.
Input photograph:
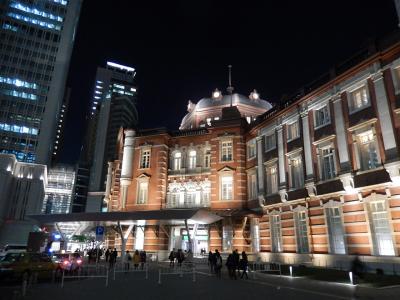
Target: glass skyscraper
(37, 38)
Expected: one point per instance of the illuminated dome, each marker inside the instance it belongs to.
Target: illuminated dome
(201, 114)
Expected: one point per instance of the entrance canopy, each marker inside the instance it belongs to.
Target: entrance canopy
(167, 217)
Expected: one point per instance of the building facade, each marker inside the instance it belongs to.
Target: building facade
(59, 192)
(36, 45)
(113, 107)
(314, 179)
(22, 189)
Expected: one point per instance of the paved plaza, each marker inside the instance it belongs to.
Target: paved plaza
(206, 286)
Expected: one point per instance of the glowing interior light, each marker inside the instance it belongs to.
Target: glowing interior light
(216, 94)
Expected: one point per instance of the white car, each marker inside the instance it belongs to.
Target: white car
(14, 248)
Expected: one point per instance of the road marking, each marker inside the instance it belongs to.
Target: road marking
(301, 290)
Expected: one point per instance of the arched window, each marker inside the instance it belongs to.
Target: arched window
(192, 159)
(177, 163)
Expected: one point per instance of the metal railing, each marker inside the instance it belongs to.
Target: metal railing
(186, 268)
(87, 271)
(256, 267)
(125, 268)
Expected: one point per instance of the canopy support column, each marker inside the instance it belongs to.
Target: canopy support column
(190, 240)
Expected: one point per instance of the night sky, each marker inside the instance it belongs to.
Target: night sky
(181, 50)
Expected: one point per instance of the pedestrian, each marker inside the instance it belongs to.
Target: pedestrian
(127, 261)
(136, 259)
(171, 258)
(243, 265)
(107, 254)
(113, 257)
(230, 264)
(180, 257)
(143, 258)
(236, 259)
(211, 263)
(218, 264)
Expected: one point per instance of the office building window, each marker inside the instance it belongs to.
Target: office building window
(367, 153)
(145, 159)
(381, 230)
(142, 193)
(226, 187)
(296, 172)
(276, 234)
(177, 161)
(335, 230)
(252, 186)
(251, 149)
(327, 162)
(300, 218)
(272, 179)
(322, 116)
(270, 141)
(226, 151)
(293, 131)
(358, 99)
(192, 159)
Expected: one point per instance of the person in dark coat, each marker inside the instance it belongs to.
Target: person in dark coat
(107, 254)
(230, 264)
(211, 259)
(143, 258)
(236, 259)
(243, 264)
(171, 258)
(217, 264)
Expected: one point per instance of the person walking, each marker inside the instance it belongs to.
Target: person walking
(218, 264)
(127, 261)
(236, 259)
(143, 258)
(230, 264)
(136, 259)
(180, 257)
(107, 254)
(171, 258)
(243, 265)
(211, 263)
(113, 257)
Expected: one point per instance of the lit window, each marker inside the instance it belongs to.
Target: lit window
(358, 99)
(192, 159)
(252, 186)
(322, 116)
(142, 193)
(208, 121)
(335, 230)
(226, 151)
(293, 131)
(226, 188)
(381, 230)
(270, 141)
(207, 159)
(35, 11)
(367, 150)
(327, 162)
(145, 159)
(34, 21)
(272, 179)
(300, 218)
(276, 234)
(296, 172)
(177, 161)
(251, 149)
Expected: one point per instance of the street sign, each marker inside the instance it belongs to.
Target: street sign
(99, 233)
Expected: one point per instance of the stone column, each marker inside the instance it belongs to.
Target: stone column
(108, 185)
(385, 118)
(260, 170)
(309, 182)
(127, 165)
(281, 163)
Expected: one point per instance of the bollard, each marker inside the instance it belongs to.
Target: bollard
(291, 271)
(159, 276)
(351, 278)
(24, 285)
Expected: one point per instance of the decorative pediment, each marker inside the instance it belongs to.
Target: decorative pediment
(143, 176)
(226, 169)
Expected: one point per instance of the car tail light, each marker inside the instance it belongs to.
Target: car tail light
(65, 262)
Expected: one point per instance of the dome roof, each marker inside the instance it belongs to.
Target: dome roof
(200, 113)
(236, 99)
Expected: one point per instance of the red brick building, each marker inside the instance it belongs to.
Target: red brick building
(313, 179)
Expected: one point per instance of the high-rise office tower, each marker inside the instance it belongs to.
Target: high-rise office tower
(113, 107)
(59, 190)
(37, 38)
(60, 131)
